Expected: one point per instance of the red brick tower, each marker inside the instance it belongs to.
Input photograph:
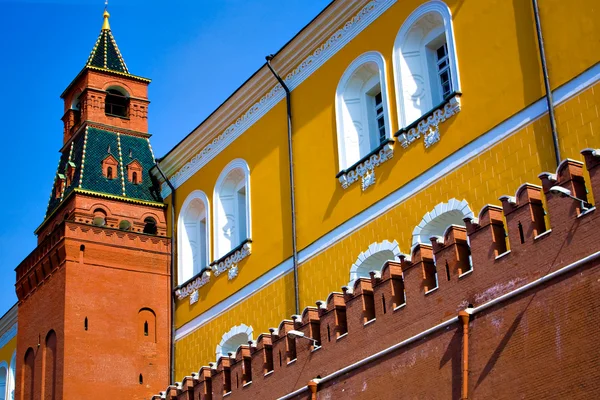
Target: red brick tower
(94, 296)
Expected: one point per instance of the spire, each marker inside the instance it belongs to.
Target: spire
(106, 25)
(106, 54)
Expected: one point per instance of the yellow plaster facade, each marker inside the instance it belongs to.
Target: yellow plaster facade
(8, 348)
(499, 139)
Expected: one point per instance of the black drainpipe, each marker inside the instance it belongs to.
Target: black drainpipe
(173, 246)
(292, 190)
(549, 100)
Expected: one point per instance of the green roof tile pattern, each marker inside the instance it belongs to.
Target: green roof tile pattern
(106, 54)
(86, 154)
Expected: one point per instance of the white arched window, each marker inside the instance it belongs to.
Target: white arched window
(425, 66)
(10, 382)
(436, 221)
(373, 259)
(3, 380)
(232, 208)
(362, 109)
(234, 338)
(194, 235)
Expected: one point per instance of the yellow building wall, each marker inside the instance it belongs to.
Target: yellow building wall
(264, 148)
(7, 351)
(498, 171)
(499, 75)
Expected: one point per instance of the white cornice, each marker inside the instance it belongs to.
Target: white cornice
(8, 326)
(201, 149)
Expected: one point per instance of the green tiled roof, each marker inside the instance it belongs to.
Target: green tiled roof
(86, 154)
(106, 54)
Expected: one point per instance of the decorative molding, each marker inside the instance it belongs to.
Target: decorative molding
(320, 55)
(233, 272)
(429, 126)
(236, 330)
(232, 260)
(373, 249)
(193, 286)
(484, 142)
(194, 297)
(365, 170)
(437, 211)
(8, 335)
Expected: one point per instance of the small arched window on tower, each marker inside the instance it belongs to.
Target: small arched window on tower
(147, 325)
(116, 103)
(60, 185)
(134, 172)
(76, 107)
(150, 226)
(99, 217)
(110, 167)
(70, 172)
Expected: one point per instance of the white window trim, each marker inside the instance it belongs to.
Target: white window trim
(441, 208)
(431, 6)
(235, 164)
(196, 194)
(236, 330)
(4, 364)
(371, 56)
(371, 250)
(12, 376)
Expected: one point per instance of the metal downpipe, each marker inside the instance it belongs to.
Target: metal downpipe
(549, 99)
(292, 190)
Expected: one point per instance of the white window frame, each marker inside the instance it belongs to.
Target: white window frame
(434, 6)
(342, 122)
(4, 393)
(12, 376)
(241, 329)
(219, 212)
(183, 275)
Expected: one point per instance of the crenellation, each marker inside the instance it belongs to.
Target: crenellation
(473, 248)
(524, 216)
(452, 255)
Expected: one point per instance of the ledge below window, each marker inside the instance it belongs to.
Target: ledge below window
(428, 124)
(229, 262)
(365, 167)
(191, 286)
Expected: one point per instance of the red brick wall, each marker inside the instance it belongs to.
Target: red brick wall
(541, 343)
(108, 276)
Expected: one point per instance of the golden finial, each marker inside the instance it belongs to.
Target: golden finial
(106, 25)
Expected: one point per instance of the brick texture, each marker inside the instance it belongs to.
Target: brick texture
(538, 343)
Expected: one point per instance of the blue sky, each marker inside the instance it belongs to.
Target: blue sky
(196, 52)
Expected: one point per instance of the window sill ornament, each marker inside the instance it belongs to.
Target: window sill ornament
(192, 288)
(230, 261)
(365, 168)
(194, 297)
(428, 124)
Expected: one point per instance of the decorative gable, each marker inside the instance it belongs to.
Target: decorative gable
(134, 172)
(110, 167)
(70, 172)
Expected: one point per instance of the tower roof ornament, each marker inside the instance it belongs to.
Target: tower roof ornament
(105, 24)
(106, 54)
